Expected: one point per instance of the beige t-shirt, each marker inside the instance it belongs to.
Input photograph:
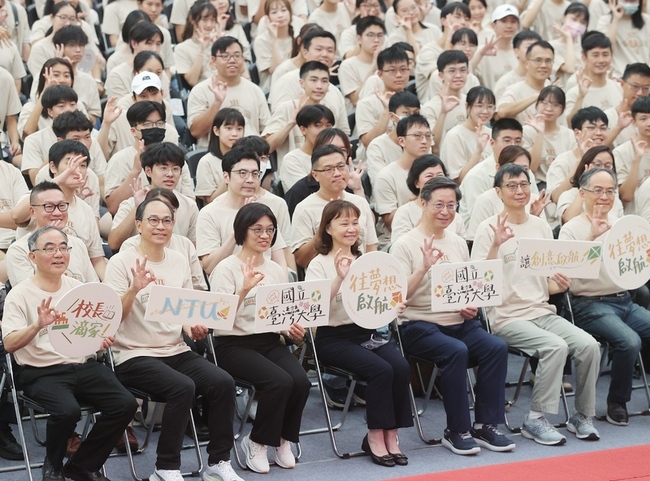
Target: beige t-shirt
(135, 336)
(209, 175)
(561, 141)
(334, 22)
(390, 190)
(407, 250)
(560, 169)
(642, 200)
(246, 97)
(568, 196)
(306, 219)
(19, 33)
(429, 34)
(21, 310)
(10, 104)
(263, 49)
(92, 183)
(369, 109)
(11, 61)
(228, 278)
(184, 220)
(515, 93)
(186, 52)
(12, 189)
(631, 43)
(381, 152)
(295, 165)
(524, 297)
(626, 134)
(353, 73)
(491, 69)
(551, 13)
(409, 215)
(579, 228)
(623, 155)
(479, 179)
(505, 81)
(183, 245)
(425, 69)
(115, 15)
(610, 95)
(281, 116)
(279, 207)
(323, 267)
(457, 148)
(21, 268)
(431, 110)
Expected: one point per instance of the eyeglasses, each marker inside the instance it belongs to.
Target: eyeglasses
(439, 206)
(155, 221)
(513, 186)
(372, 36)
(258, 231)
(165, 169)
(49, 208)
(598, 192)
(420, 136)
(230, 56)
(243, 173)
(598, 165)
(645, 89)
(51, 250)
(542, 61)
(342, 167)
(466, 45)
(593, 128)
(149, 125)
(484, 108)
(546, 103)
(412, 9)
(394, 71)
(65, 18)
(453, 72)
(371, 6)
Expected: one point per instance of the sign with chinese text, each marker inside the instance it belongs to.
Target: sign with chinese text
(89, 313)
(461, 284)
(278, 306)
(175, 305)
(373, 289)
(543, 257)
(626, 252)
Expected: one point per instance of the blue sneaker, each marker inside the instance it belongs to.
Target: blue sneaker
(460, 443)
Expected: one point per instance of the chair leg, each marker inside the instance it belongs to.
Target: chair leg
(643, 385)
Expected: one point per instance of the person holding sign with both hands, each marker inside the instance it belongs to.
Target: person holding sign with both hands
(346, 345)
(261, 359)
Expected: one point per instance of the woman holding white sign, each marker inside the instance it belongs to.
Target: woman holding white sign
(345, 345)
(261, 359)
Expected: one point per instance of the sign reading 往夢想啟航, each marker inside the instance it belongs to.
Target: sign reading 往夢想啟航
(626, 252)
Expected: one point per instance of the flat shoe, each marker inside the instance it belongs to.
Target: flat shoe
(385, 460)
(400, 459)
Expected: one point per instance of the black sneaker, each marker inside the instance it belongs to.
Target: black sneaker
(51, 474)
(9, 447)
(491, 438)
(460, 443)
(617, 413)
(78, 473)
(335, 396)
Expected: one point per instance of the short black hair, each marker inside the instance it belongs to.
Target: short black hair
(312, 114)
(505, 124)
(555, 92)
(75, 121)
(33, 237)
(222, 44)
(578, 8)
(43, 186)
(461, 33)
(594, 39)
(64, 147)
(56, 94)
(453, 7)
(247, 216)
(311, 66)
(225, 116)
(638, 68)
(144, 31)
(403, 99)
(439, 183)
(588, 114)
(480, 94)
(524, 35)
(511, 170)
(168, 195)
(323, 150)
(139, 212)
(255, 143)
(418, 166)
(236, 155)
(70, 35)
(162, 153)
(364, 23)
(641, 106)
(316, 33)
(405, 124)
(139, 111)
(451, 57)
(51, 63)
(143, 57)
(391, 54)
(132, 19)
(542, 44)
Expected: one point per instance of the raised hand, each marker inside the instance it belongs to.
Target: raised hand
(449, 103)
(584, 82)
(384, 97)
(218, 88)
(402, 22)
(617, 10)
(142, 276)
(584, 144)
(112, 111)
(47, 314)
(563, 31)
(71, 177)
(273, 29)
(536, 122)
(85, 191)
(430, 254)
(252, 276)
(222, 21)
(354, 181)
(598, 220)
(639, 146)
(489, 49)
(137, 191)
(502, 232)
(538, 205)
(342, 264)
(482, 137)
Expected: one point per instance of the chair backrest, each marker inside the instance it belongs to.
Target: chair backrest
(192, 160)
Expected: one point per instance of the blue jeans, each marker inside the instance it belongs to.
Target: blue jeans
(623, 325)
(454, 349)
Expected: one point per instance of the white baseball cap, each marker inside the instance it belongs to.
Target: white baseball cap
(503, 11)
(145, 80)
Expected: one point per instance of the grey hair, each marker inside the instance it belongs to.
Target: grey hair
(585, 178)
(33, 239)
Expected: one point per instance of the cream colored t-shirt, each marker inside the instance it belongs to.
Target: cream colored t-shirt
(353, 73)
(430, 33)
(209, 175)
(610, 95)
(135, 336)
(115, 15)
(283, 115)
(509, 78)
(409, 216)
(568, 196)
(479, 179)
(491, 69)
(323, 267)
(334, 22)
(12, 189)
(390, 190)
(551, 13)
(263, 49)
(623, 156)
(295, 165)
(381, 152)
(560, 169)
(561, 141)
(631, 43)
(515, 93)
(432, 109)
(457, 148)
(186, 52)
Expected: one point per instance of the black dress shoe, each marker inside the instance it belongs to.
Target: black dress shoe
(385, 460)
(78, 473)
(400, 459)
(51, 474)
(9, 447)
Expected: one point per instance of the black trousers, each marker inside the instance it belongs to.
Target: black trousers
(279, 379)
(176, 379)
(384, 369)
(61, 389)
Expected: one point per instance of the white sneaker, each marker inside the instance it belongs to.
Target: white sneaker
(220, 472)
(166, 475)
(256, 457)
(284, 456)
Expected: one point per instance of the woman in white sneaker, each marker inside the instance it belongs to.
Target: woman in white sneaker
(345, 345)
(261, 359)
